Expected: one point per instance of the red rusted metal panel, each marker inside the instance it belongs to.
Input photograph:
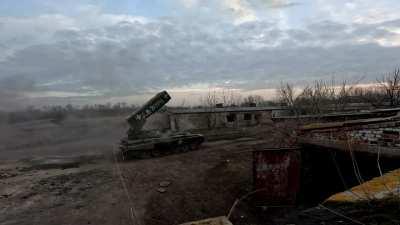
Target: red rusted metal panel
(276, 175)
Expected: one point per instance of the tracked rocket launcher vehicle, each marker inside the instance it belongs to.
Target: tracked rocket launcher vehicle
(144, 144)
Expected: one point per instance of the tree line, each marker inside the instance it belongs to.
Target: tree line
(322, 96)
(318, 97)
(58, 113)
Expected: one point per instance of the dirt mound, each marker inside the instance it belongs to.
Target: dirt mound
(58, 162)
(212, 194)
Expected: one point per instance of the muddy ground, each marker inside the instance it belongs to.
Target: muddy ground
(167, 190)
(66, 174)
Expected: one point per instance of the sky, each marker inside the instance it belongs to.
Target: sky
(97, 51)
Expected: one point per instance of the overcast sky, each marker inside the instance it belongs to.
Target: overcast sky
(58, 51)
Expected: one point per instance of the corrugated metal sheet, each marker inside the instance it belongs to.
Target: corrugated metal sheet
(373, 113)
(377, 188)
(276, 175)
(349, 123)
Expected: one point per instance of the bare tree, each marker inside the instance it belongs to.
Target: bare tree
(372, 95)
(235, 99)
(230, 97)
(343, 94)
(183, 103)
(286, 96)
(253, 99)
(209, 102)
(390, 85)
(317, 98)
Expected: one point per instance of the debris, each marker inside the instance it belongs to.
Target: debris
(165, 183)
(161, 190)
(28, 195)
(6, 174)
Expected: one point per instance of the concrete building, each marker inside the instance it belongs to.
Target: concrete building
(221, 117)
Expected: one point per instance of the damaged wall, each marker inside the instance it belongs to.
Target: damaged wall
(372, 132)
(210, 120)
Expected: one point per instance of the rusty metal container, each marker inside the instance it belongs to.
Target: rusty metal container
(276, 176)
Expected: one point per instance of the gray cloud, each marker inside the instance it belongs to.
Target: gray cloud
(12, 90)
(279, 4)
(17, 83)
(131, 57)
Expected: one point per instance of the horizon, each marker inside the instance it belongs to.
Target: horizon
(78, 52)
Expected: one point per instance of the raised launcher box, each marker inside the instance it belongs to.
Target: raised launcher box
(276, 175)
